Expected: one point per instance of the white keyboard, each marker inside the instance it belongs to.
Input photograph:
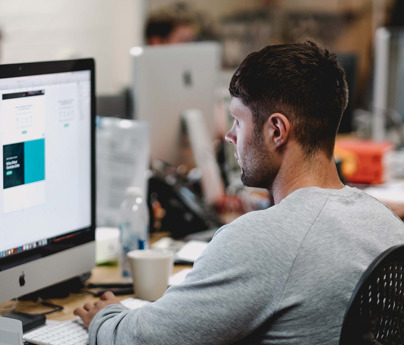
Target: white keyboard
(71, 332)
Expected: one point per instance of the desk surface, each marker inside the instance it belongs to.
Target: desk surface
(100, 274)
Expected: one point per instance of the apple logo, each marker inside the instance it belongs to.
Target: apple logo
(21, 280)
(187, 78)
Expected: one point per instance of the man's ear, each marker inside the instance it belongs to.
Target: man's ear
(279, 129)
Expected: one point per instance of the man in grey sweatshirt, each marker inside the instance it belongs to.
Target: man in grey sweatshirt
(283, 275)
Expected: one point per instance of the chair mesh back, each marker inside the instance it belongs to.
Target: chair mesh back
(375, 313)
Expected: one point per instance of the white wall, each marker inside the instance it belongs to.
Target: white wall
(64, 29)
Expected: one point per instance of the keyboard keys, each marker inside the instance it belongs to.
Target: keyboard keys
(71, 332)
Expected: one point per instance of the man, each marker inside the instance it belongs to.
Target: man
(283, 275)
(171, 25)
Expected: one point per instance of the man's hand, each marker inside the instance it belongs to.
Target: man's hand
(89, 310)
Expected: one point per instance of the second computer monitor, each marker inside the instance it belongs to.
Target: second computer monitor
(388, 101)
(167, 81)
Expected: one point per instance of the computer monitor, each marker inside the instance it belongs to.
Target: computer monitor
(168, 80)
(388, 106)
(47, 194)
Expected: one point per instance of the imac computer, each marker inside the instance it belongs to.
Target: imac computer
(168, 80)
(47, 194)
(388, 106)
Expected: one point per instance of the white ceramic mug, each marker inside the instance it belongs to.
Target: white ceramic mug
(150, 271)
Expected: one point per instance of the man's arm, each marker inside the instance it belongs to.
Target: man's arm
(220, 301)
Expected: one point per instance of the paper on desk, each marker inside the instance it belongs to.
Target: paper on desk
(133, 303)
(392, 191)
(179, 277)
(191, 251)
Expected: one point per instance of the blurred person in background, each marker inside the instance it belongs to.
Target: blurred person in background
(177, 23)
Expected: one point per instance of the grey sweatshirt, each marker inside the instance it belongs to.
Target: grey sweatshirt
(278, 276)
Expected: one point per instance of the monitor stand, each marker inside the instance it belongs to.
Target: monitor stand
(60, 290)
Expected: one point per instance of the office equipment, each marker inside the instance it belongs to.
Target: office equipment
(47, 194)
(10, 331)
(388, 106)
(375, 311)
(363, 160)
(29, 321)
(118, 289)
(167, 80)
(65, 332)
(204, 156)
(105, 276)
(184, 211)
(123, 157)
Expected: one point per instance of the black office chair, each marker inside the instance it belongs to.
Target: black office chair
(375, 313)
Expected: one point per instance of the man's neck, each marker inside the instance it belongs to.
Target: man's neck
(296, 173)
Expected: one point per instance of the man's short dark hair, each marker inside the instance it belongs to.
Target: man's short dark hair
(300, 80)
(163, 21)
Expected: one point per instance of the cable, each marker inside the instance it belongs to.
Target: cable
(10, 308)
(39, 300)
(50, 305)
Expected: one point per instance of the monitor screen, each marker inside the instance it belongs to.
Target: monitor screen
(167, 81)
(388, 107)
(47, 194)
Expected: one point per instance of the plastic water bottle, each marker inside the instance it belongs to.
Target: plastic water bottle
(134, 225)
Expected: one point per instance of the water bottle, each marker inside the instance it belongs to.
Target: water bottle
(134, 225)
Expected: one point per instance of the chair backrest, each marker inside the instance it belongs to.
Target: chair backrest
(375, 313)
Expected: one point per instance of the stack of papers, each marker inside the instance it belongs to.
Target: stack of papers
(190, 251)
(388, 192)
(134, 303)
(179, 277)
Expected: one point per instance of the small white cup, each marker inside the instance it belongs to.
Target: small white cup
(150, 270)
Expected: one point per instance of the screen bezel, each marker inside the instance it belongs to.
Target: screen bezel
(387, 40)
(76, 237)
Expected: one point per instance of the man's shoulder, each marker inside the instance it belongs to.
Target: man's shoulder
(274, 224)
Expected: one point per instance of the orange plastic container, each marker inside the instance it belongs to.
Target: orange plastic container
(363, 161)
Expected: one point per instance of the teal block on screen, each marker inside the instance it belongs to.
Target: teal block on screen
(34, 161)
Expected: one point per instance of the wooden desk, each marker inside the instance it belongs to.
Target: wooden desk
(100, 274)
